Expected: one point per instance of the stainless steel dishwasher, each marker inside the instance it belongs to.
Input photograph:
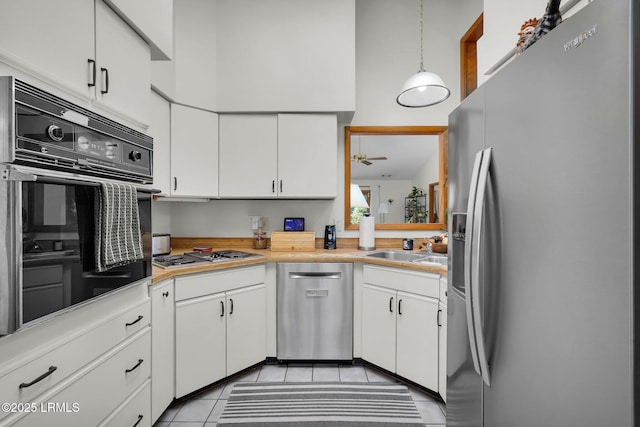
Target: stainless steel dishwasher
(315, 311)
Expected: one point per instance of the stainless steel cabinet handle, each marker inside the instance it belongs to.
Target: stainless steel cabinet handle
(221, 308)
(50, 371)
(391, 305)
(134, 367)
(105, 80)
(140, 317)
(92, 64)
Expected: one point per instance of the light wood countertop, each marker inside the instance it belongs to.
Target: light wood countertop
(348, 254)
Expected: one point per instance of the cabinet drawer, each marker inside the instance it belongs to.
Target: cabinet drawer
(134, 411)
(220, 281)
(416, 282)
(93, 393)
(69, 357)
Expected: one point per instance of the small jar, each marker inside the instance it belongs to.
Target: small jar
(259, 240)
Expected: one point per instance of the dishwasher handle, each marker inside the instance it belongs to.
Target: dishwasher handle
(315, 275)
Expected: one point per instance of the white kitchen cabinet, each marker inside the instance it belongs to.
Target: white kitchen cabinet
(200, 342)
(97, 41)
(220, 325)
(307, 156)
(442, 339)
(98, 388)
(123, 67)
(400, 323)
(442, 351)
(194, 152)
(86, 352)
(248, 155)
(163, 347)
(246, 329)
(379, 326)
(160, 131)
(417, 339)
(59, 58)
(289, 156)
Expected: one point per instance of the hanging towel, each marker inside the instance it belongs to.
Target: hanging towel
(118, 240)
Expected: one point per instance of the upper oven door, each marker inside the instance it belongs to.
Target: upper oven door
(50, 246)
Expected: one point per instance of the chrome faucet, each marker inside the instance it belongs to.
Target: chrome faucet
(429, 248)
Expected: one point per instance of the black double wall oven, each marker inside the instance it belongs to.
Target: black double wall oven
(55, 159)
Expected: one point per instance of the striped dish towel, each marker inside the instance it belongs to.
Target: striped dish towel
(118, 241)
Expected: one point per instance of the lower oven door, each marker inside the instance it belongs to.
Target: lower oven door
(48, 238)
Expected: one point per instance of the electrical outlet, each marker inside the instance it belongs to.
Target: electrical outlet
(265, 223)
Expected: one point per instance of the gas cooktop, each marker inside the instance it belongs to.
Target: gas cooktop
(193, 258)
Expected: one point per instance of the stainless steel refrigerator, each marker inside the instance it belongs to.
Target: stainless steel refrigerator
(542, 207)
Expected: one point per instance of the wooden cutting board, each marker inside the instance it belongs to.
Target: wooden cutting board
(301, 241)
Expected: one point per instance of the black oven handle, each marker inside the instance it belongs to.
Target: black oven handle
(107, 275)
(66, 181)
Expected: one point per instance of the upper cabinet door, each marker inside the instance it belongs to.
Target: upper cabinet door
(307, 156)
(123, 67)
(160, 131)
(248, 155)
(59, 56)
(194, 152)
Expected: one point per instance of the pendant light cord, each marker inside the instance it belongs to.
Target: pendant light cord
(421, 35)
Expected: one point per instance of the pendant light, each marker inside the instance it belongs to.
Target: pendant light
(424, 88)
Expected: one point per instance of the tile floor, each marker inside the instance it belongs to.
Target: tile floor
(203, 409)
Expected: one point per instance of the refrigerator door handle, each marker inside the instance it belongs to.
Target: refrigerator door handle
(477, 229)
(468, 261)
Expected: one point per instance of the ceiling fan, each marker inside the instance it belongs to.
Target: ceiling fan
(362, 158)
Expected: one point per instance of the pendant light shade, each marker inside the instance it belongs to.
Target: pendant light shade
(424, 88)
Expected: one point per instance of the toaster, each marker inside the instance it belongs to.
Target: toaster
(161, 244)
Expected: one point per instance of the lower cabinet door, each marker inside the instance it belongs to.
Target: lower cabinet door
(417, 340)
(200, 342)
(379, 326)
(163, 375)
(246, 327)
(442, 345)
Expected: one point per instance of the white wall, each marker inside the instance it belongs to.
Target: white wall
(303, 59)
(387, 53)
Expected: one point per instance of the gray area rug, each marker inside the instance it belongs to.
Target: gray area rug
(320, 405)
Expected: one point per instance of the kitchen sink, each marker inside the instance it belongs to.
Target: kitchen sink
(432, 259)
(396, 255)
(421, 258)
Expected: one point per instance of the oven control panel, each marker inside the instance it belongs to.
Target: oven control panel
(53, 133)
